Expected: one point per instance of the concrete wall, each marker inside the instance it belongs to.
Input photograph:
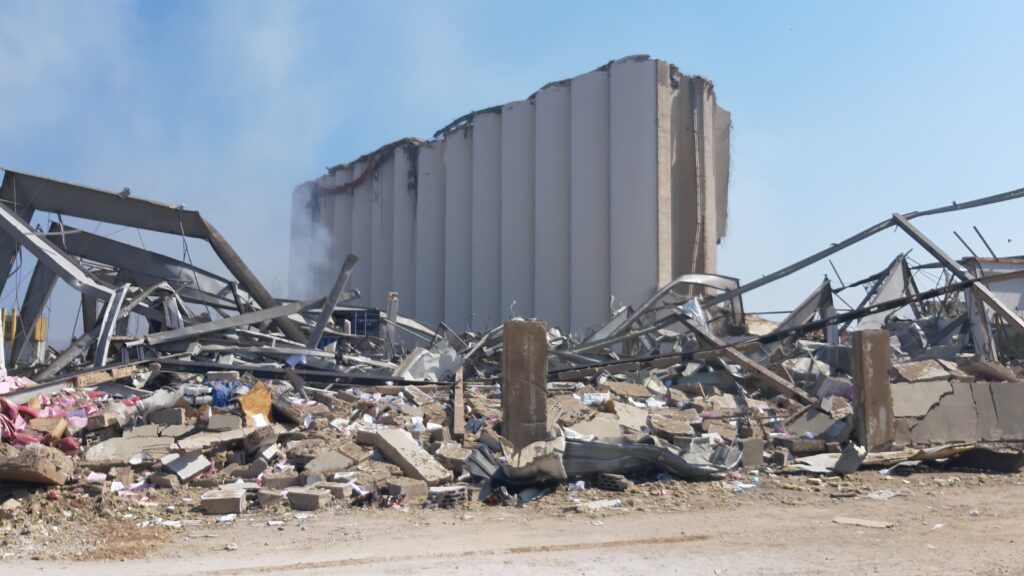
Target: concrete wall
(940, 412)
(598, 188)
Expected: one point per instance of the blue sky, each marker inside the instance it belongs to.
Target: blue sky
(843, 112)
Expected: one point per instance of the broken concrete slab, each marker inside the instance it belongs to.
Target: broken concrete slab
(223, 501)
(185, 466)
(916, 399)
(399, 448)
(167, 416)
(259, 438)
(411, 488)
(224, 423)
(630, 416)
(37, 464)
(339, 490)
(921, 371)
(280, 480)
(308, 499)
(119, 450)
(328, 463)
(268, 497)
(1008, 398)
(53, 427)
(452, 456)
(864, 523)
(816, 423)
(983, 369)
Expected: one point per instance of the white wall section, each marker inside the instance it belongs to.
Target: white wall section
(403, 260)
(551, 189)
(458, 215)
(590, 216)
(486, 222)
(429, 233)
(633, 177)
(517, 209)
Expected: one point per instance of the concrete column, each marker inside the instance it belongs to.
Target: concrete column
(524, 371)
(873, 394)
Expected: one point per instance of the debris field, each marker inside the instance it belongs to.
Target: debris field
(233, 402)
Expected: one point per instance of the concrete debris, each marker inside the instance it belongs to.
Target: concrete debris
(252, 399)
(309, 499)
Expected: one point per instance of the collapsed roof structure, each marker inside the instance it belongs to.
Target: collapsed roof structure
(685, 384)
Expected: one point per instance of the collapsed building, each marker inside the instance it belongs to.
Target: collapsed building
(600, 188)
(235, 400)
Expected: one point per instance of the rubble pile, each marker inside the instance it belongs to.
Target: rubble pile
(306, 405)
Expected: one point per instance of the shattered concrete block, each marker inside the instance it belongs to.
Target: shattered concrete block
(339, 490)
(819, 424)
(417, 396)
(185, 466)
(850, 459)
(778, 458)
(921, 371)
(452, 456)
(399, 448)
(280, 480)
(251, 470)
(224, 423)
(752, 452)
(53, 426)
(268, 497)
(144, 431)
(448, 496)
(801, 446)
(628, 390)
(308, 499)
(668, 425)
(259, 438)
(101, 420)
(167, 416)
(630, 416)
(37, 464)
(411, 488)
(329, 463)
(226, 501)
(164, 480)
(726, 431)
(9, 508)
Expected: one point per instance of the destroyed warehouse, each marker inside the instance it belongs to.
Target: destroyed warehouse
(526, 302)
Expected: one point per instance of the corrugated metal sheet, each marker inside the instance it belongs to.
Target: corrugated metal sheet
(595, 189)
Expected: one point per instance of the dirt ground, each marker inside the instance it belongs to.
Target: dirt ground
(943, 523)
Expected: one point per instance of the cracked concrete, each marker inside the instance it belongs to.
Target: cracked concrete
(939, 412)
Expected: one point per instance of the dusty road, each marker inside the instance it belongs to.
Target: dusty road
(715, 532)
